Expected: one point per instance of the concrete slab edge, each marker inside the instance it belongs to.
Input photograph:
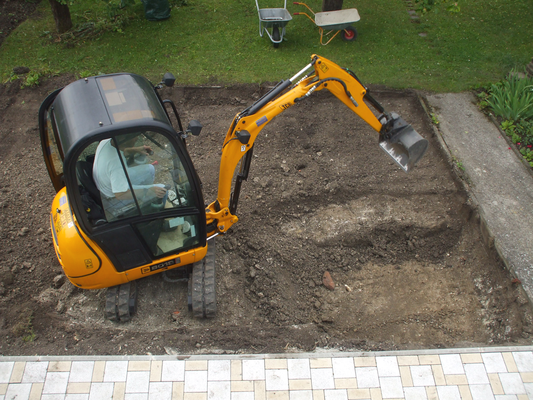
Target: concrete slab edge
(489, 239)
(319, 353)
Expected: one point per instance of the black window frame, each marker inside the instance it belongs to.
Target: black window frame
(198, 209)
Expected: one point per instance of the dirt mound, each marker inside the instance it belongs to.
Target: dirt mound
(404, 251)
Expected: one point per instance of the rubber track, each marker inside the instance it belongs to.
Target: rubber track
(123, 304)
(111, 303)
(132, 302)
(204, 285)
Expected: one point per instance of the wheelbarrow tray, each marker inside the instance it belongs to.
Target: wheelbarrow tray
(271, 16)
(336, 20)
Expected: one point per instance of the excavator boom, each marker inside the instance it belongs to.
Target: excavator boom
(397, 138)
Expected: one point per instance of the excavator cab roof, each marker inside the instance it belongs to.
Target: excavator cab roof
(91, 106)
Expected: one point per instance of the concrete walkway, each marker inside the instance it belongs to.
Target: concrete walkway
(502, 188)
(468, 374)
(499, 182)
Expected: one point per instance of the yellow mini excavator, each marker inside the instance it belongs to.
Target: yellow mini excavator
(129, 202)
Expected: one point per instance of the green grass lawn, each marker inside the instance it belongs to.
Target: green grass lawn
(217, 41)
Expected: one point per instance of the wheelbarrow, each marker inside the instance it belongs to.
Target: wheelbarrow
(338, 20)
(275, 19)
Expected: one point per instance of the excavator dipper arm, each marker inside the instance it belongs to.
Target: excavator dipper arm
(396, 137)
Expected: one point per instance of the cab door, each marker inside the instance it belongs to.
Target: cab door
(144, 187)
(52, 152)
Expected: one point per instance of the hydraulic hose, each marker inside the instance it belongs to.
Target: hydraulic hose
(315, 86)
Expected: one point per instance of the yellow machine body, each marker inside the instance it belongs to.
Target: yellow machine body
(86, 265)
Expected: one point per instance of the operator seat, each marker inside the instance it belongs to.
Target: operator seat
(90, 195)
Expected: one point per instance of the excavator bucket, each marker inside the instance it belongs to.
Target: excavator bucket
(403, 144)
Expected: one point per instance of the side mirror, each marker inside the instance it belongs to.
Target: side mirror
(168, 79)
(194, 128)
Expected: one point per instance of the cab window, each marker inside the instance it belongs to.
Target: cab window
(51, 148)
(139, 174)
(168, 235)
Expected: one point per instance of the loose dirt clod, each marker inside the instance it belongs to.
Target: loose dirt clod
(321, 196)
(327, 281)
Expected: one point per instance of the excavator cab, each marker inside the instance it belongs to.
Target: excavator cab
(128, 202)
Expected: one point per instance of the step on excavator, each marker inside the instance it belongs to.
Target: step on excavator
(129, 202)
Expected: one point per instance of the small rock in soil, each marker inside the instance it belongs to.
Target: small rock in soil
(59, 280)
(327, 280)
(7, 278)
(61, 307)
(327, 317)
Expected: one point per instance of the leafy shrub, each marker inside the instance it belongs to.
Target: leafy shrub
(525, 130)
(508, 127)
(520, 132)
(32, 79)
(527, 153)
(512, 99)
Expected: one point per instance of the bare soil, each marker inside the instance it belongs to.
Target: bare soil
(404, 250)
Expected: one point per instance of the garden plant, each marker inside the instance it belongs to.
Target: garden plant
(511, 101)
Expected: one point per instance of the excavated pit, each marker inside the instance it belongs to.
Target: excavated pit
(404, 250)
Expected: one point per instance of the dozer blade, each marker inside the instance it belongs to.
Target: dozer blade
(403, 144)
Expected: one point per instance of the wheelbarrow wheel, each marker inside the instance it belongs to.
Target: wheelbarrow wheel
(349, 34)
(276, 36)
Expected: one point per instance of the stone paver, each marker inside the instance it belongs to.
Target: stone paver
(448, 374)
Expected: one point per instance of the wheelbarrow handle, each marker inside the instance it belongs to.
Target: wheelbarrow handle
(305, 5)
